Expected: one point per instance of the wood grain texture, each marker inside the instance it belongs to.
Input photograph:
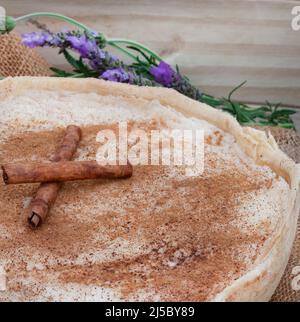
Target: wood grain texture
(217, 43)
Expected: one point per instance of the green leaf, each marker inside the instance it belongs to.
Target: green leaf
(78, 64)
(287, 125)
(210, 100)
(228, 107)
(235, 89)
(283, 112)
(149, 59)
(60, 72)
(71, 60)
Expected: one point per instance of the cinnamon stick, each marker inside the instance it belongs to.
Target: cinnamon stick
(32, 172)
(48, 191)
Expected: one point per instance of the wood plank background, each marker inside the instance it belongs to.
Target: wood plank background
(217, 43)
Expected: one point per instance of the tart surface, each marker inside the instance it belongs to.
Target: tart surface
(223, 235)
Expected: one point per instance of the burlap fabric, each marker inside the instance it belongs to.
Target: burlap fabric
(17, 60)
(289, 142)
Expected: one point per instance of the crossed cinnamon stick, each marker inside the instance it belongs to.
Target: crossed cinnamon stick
(59, 169)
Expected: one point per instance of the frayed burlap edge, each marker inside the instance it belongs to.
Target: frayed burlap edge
(18, 60)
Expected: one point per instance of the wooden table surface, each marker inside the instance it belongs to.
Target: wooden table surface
(217, 43)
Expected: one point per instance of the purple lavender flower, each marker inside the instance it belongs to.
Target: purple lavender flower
(35, 39)
(117, 75)
(83, 45)
(98, 59)
(55, 41)
(128, 76)
(102, 63)
(163, 74)
(166, 76)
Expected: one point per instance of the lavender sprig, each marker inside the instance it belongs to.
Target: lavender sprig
(163, 74)
(146, 71)
(147, 68)
(11, 23)
(85, 44)
(101, 64)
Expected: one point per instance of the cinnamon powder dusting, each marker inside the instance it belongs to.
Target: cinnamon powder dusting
(154, 236)
(215, 139)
